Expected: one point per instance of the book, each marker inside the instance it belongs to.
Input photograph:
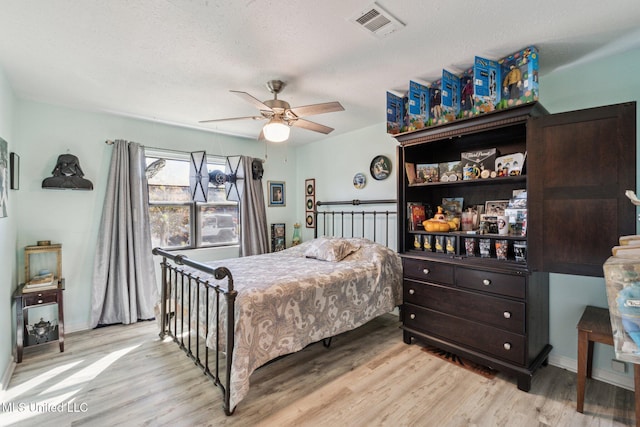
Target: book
(411, 173)
(41, 280)
(37, 288)
(418, 215)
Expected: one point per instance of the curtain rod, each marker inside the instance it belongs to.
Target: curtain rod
(110, 142)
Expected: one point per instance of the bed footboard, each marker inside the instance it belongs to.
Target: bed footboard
(183, 293)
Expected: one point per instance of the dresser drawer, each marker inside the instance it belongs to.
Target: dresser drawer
(484, 338)
(496, 283)
(499, 312)
(428, 270)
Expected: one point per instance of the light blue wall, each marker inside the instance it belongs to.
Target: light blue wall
(72, 217)
(8, 234)
(603, 81)
(39, 133)
(334, 161)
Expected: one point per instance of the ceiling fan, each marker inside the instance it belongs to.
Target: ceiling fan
(281, 116)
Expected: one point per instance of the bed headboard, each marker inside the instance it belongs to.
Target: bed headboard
(377, 221)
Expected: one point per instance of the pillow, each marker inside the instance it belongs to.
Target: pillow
(327, 249)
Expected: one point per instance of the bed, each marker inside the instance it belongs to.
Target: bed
(235, 315)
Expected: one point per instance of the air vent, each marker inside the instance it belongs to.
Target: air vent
(377, 21)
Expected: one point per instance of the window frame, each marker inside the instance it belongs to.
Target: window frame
(196, 211)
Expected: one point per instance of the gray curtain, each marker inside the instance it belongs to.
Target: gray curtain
(124, 284)
(253, 215)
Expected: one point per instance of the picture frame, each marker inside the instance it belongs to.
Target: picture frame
(310, 203)
(359, 181)
(278, 236)
(427, 172)
(14, 171)
(277, 193)
(310, 187)
(4, 177)
(495, 207)
(310, 220)
(380, 167)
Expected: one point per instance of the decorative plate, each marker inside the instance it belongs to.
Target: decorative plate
(359, 180)
(380, 167)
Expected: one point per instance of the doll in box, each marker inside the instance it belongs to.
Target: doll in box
(512, 83)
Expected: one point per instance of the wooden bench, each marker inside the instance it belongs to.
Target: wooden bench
(595, 326)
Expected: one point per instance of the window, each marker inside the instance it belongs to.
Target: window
(177, 222)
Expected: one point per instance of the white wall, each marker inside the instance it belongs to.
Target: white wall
(8, 236)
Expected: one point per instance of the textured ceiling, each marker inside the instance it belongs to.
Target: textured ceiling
(175, 61)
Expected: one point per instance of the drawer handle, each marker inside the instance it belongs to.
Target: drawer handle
(412, 291)
(39, 301)
(425, 271)
(412, 316)
(39, 295)
(507, 315)
(486, 282)
(507, 346)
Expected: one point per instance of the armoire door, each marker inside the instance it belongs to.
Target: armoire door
(579, 165)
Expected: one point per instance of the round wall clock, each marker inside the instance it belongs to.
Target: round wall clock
(359, 180)
(380, 167)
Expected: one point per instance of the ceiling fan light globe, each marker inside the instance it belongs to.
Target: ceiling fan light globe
(276, 131)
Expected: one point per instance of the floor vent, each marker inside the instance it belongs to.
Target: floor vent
(377, 21)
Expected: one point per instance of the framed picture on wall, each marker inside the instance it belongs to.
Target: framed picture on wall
(14, 171)
(310, 203)
(276, 193)
(310, 220)
(4, 177)
(277, 237)
(310, 187)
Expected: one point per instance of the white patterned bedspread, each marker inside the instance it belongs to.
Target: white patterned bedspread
(286, 301)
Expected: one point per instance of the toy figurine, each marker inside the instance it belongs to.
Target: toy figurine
(436, 104)
(467, 95)
(512, 82)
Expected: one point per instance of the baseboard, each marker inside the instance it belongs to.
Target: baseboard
(6, 377)
(75, 327)
(603, 375)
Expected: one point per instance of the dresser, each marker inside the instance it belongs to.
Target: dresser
(493, 307)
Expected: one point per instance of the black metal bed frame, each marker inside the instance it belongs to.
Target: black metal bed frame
(329, 217)
(173, 276)
(181, 289)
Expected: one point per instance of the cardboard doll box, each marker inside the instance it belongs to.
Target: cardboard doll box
(397, 119)
(486, 73)
(450, 96)
(467, 94)
(519, 78)
(435, 103)
(418, 105)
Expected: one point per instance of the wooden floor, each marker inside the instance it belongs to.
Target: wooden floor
(125, 375)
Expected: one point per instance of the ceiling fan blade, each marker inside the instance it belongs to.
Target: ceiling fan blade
(232, 118)
(252, 100)
(306, 124)
(309, 110)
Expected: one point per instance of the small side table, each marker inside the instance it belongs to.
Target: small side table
(26, 300)
(595, 326)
